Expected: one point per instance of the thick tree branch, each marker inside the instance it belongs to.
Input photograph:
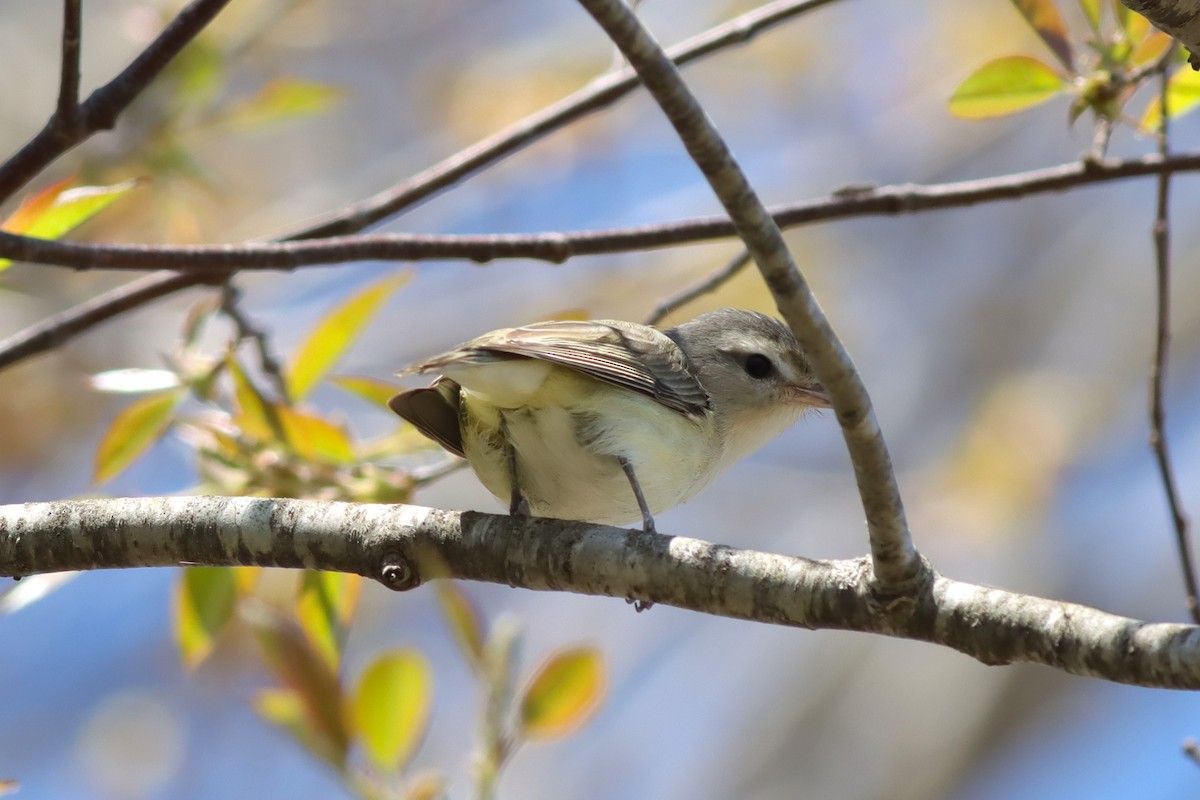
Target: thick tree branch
(100, 111)
(896, 562)
(403, 546)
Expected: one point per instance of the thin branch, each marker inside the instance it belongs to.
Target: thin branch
(61, 328)
(706, 286)
(101, 109)
(1158, 371)
(404, 546)
(67, 114)
(352, 219)
(596, 96)
(897, 565)
(558, 247)
(245, 329)
(899, 199)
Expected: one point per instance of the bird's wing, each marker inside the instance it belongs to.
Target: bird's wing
(434, 412)
(623, 354)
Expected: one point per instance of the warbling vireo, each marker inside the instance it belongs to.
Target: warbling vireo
(606, 420)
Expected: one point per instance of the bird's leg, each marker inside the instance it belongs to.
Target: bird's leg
(647, 519)
(638, 604)
(517, 505)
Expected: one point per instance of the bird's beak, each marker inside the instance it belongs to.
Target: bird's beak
(813, 395)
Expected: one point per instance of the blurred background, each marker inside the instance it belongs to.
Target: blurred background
(1006, 347)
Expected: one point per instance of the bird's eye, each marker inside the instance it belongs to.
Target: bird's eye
(758, 366)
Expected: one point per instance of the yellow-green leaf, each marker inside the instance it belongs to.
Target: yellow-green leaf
(254, 413)
(563, 694)
(315, 438)
(1092, 9)
(298, 667)
(464, 620)
(35, 206)
(65, 211)
(204, 601)
(136, 428)
(335, 332)
(282, 100)
(1150, 49)
(325, 607)
(391, 707)
(1004, 86)
(1043, 17)
(1183, 95)
(373, 390)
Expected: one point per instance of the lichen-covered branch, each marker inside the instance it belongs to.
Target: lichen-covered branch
(403, 546)
(1179, 18)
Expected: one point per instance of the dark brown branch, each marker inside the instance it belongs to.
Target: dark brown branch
(706, 286)
(598, 95)
(1158, 370)
(101, 109)
(404, 546)
(558, 247)
(60, 328)
(67, 115)
(245, 329)
(886, 201)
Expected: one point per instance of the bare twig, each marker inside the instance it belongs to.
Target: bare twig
(406, 545)
(898, 199)
(597, 95)
(1158, 370)
(245, 329)
(706, 286)
(101, 109)
(67, 114)
(61, 328)
(557, 247)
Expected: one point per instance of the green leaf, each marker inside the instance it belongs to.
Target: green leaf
(325, 607)
(1004, 86)
(308, 676)
(373, 390)
(283, 100)
(391, 707)
(563, 694)
(204, 602)
(133, 431)
(336, 332)
(1043, 17)
(57, 210)
(464, 620)
(1183, 95)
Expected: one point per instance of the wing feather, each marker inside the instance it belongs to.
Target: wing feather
(624, 354)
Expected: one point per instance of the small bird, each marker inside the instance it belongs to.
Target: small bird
(608, 421)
